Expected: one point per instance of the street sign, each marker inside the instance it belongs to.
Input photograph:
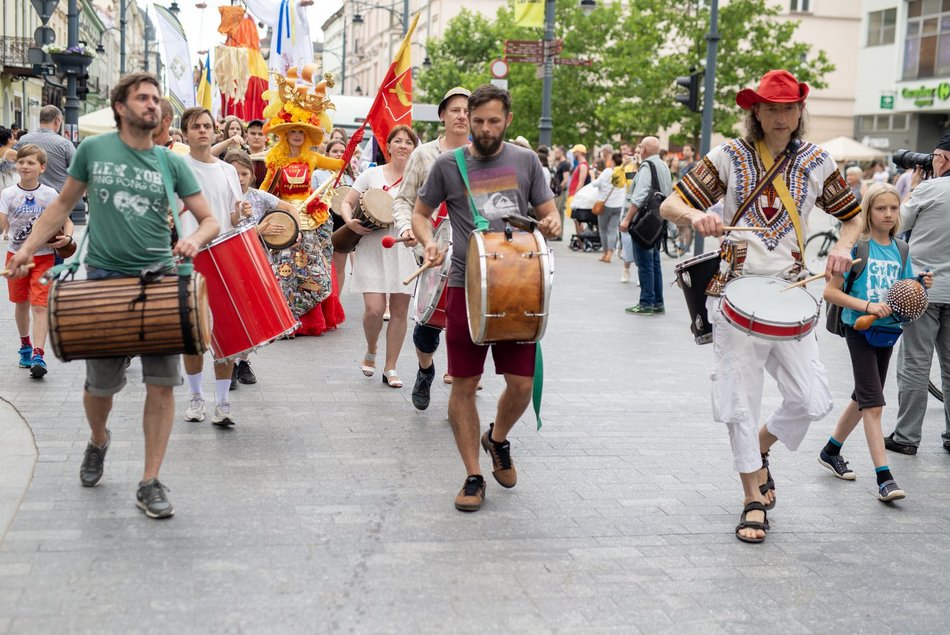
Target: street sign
(44, 35)
(500, 83)
(524, 48)
(572, 61)
(499, 69)
(44, 8)
(525, 59)
(887, 102)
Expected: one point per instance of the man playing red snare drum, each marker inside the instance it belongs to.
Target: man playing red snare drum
(504, 179)
(778, 206)
(128, 232)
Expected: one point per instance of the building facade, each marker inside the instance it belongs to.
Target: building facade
(23, 92)
(903, 99)
(835, 27)
(360, 40)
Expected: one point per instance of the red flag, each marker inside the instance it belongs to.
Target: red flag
(393, 104)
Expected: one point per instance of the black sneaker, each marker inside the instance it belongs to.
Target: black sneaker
(234, 378)
(93, 459)
(421, 389)
(888, 491)
(244, 373)
(151, 499)
(837, 465)
(897, 446)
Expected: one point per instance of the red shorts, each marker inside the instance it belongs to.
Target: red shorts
(466, 358)
(29, 287)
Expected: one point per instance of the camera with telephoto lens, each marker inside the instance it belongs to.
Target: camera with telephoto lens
(908, 160)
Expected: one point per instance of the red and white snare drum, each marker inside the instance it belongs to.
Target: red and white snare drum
(432, 287)
(248, 309)
(760, 306)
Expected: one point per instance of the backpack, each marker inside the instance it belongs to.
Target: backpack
(833, 321)
(647, 226)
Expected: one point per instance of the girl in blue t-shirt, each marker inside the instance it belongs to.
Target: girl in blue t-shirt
(884, 266)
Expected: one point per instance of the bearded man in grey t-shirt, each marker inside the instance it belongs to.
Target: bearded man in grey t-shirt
(504, 178)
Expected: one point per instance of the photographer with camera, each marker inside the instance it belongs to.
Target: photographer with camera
(925, 214)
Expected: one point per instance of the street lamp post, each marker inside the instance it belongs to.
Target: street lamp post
(123, 7)
(546, 125)
(709, 92)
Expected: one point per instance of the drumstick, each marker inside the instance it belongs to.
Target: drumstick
(7, 272)
(737, 228)
(389, 241)
(817, 276)
(427, 264)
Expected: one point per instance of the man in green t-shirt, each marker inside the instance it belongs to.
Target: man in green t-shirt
(128, 232)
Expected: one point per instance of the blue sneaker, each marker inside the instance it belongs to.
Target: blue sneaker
(37, 367)
(26, 356)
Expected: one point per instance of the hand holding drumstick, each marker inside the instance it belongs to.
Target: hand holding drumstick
(8, 273)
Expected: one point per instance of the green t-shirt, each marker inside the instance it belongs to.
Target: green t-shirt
(128, 206)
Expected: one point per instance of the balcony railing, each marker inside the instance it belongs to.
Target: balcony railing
(13, 51)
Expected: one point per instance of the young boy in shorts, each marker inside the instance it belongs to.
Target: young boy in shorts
(20, 207)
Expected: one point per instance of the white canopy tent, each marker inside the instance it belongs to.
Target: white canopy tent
(844, 149)
(96, 122)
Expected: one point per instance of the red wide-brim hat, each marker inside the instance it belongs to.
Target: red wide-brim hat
(775, 87)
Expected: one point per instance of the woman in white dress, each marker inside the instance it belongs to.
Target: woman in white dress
(378, 272)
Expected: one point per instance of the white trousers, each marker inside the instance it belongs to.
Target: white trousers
(737, 383)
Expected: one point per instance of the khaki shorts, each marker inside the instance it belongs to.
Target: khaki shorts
(106, 377)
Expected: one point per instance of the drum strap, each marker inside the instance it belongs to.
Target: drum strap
(481, 224)
(782, 190)
(185, 268)
(537, 386)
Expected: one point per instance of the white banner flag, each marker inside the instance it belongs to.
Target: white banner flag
(178, 69)
(290, 43)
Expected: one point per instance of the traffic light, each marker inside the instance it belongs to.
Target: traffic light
(82, 86)
(691, 84)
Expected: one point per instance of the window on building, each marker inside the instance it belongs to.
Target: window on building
(881, 27)
(927, 45)
(882, 123)
(799, 6)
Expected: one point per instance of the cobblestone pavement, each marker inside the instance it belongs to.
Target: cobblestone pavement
(329, 507)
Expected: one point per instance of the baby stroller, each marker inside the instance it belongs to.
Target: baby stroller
(589, 238)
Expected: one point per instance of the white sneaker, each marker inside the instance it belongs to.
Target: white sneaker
(222, 415)
(196, 408)
(625, 275)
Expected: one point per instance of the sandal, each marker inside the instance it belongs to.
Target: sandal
(769, 485)
(754, 506)
(391, 379)
(368, 366)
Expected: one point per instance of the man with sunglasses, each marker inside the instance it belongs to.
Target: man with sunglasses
(925, 213)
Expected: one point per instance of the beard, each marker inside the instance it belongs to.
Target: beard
(491, 145)
(143, 123)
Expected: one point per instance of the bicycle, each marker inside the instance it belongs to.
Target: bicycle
(817, 248)
(676, 239)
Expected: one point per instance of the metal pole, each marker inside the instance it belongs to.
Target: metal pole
(147, 39)
(709, 93)
(123, 8)
(545, 126)
(71, 113)
(343, 61)
(405, 17)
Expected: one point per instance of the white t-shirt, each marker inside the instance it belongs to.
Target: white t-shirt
(22, 209)
(221, 188)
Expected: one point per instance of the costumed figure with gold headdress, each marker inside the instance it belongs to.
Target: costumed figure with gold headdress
(297, 116)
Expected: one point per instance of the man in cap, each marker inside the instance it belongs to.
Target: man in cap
(925, 215)
(769, 180)
(453, 112)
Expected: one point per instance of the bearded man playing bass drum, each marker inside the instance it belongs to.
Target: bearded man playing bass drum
(776, 202)
(504, 179)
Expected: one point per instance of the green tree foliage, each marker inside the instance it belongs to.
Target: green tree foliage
(638, 49)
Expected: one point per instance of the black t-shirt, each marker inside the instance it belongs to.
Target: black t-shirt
(563, 168)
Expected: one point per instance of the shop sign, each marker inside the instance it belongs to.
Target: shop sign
(925, 96)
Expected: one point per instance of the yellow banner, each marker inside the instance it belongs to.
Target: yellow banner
(529, 13)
